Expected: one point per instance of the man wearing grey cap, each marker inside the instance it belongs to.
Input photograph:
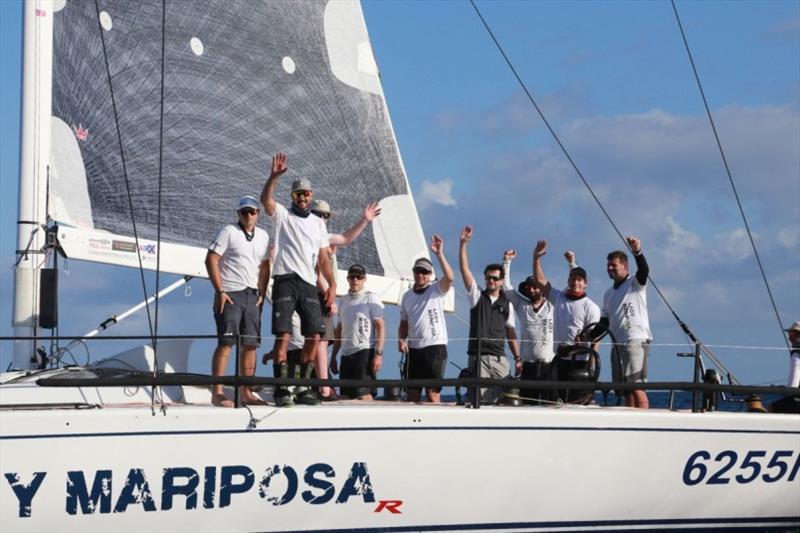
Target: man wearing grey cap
(237, 263)
(423, 332)
(301, 244)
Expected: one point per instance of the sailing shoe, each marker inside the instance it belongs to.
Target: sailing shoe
(283, 398)
(307, 397)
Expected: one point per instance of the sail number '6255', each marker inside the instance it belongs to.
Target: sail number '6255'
(727, 466)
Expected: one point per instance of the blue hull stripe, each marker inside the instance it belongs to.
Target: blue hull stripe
(674, 524)
(388, 428)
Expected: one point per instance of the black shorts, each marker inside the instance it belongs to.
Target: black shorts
(356, 366)
(289, 294)
(427, 363)
(242, 318)
(537, 371)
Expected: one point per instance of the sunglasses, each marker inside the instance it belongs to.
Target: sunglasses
(320, 214)
(356, 276)
(248, 212)
(297, 194)
(493, 278)
(421, 271)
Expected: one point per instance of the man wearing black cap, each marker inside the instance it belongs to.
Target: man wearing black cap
(237, 263)
(301, 244)
(491, 321)
(423, 332)
(360, 333)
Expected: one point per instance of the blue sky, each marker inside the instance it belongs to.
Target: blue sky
(614, 80)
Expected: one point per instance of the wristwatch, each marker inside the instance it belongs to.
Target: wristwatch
(378, 352)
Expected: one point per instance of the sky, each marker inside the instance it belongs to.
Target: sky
(614, 80)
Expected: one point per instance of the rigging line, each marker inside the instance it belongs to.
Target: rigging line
(728, 171)
(577, 170)
(124, 166)
(160, 188)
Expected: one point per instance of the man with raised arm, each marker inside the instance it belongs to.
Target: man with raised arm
(535, 314)
(301, 244)
(360, 333)
(322, 209)
(625, 314)
(237, 263)
(423, 332)
(491, 322)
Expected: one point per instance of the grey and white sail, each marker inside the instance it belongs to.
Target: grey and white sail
(242, 80)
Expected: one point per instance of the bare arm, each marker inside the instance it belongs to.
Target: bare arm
(268, 192)
(337, 344)
(437, 247)
(326, 268)
(513, 345)
(508, 256)
(263, 281)
(380, 338)
(212, 268)
(463, 257)
(402, 337)
(370, 212)
(538, 273)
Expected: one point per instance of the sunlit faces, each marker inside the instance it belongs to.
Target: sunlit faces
(248, 217)
(494, 280)
(302, 199)
(421, 277)
(577, 283)
(356, 281)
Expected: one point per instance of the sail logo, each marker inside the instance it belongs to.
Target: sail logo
(208, 487)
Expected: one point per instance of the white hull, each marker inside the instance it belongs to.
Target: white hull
(452, 468)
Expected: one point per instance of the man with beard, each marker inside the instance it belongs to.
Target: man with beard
(301, 244)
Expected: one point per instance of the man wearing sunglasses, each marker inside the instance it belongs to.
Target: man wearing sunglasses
(301, 244)
(491, 322)
(360, 334)
(423, 332)
(237, 263)
(322, 209)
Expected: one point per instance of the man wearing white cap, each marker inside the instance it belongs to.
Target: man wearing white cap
(237, 263)
(301, 244)
(423, 332)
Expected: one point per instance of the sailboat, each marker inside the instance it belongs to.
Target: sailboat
(133, 458)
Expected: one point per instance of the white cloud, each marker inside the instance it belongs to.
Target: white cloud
(436, 193)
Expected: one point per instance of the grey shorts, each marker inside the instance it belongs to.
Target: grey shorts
(289, 294)
(632, 357)
(242, 317)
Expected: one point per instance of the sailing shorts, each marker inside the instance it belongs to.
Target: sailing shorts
(290, 293)
(427, 363)
(242, 318)
(632, 358)
(356, 366)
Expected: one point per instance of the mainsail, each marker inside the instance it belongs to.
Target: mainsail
(242, 80)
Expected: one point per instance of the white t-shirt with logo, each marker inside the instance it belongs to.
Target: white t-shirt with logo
(571, 316)
(240, 259)
(357, 313)
(424, 313)
(626, 309)
(298, 241)
(536, 337)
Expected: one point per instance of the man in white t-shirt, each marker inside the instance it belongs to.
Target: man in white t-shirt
(237, 263)
(360, 334)
(423, 332)
(301, 246)
(491, 322)
(791, 402)
(573, 311)
(625, 315)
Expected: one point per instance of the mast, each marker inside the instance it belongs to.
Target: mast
(33, 173)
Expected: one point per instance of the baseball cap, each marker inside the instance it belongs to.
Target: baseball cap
(357, 270)
(423, 263)
(248, 201)
(321, 206)
(530, 281)
(793, 327)
(578, 271)
(303, 184)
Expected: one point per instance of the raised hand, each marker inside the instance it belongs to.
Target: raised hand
(541, 248)
(635, 244)
(569, 255)
(437, 243)
(466, 234)
(371, 211)
(279, 165)
(509, 255)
